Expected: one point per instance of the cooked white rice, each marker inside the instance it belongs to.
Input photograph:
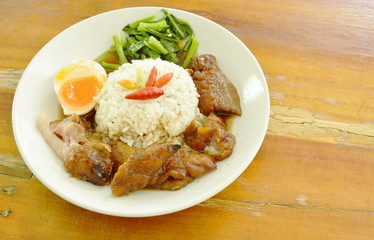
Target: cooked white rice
(141, 123)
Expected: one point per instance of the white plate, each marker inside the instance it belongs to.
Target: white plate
(86, 40)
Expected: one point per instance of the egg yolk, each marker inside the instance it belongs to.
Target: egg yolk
(79, 92)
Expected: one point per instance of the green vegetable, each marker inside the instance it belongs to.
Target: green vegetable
(109, 66)
(122, 39)
(136, 23)
(158, 26)
(149, 53)
(181, 29)
(157, 45)
(168, 38)
(119, 48)
(104, 55)
(131, 31)
(171, 57)
(134, 47)
(191, 51)
(149, 46)
(188, 44)
(169, 46)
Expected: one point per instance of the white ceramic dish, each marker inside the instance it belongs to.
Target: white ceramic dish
(86, 40)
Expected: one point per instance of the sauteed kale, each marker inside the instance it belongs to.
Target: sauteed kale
(168, 38)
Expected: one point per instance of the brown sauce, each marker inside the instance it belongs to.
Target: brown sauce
(112, 58)
(61, 114)
(228, 119)
(87, 117)
(90, 117)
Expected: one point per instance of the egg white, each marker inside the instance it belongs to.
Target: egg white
(78, 69)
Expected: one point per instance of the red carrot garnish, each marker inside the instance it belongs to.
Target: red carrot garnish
(164, 79)
(145, 93)
(152, 77)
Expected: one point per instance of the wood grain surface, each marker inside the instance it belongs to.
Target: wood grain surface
(313, 177)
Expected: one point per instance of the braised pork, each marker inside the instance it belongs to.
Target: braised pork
(211, 137)
(161, 166)
(120, 153)
(217, 93)
(84, 155)
(135, 173)
(184, 166)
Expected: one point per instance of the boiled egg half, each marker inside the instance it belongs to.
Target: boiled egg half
(77, 84)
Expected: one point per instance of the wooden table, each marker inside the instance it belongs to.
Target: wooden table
(313, 176)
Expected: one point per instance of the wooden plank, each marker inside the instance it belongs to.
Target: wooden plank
(312, 178)
(10, 161)
(307, 173)
(302, 123)
(215, 218)
(9, 78)
(14, 166)
(325, 86)
(7, 144)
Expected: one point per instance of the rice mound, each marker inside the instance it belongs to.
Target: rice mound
(141, 123)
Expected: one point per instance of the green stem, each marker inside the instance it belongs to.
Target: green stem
(191, 52)
(119, 49)
(112, 66)
(135, 24)
(105, 54)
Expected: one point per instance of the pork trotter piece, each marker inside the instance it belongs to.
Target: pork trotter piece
(90, 162)
(84, 155)
(210, 137)
(135, 173)
(160, 166)
(184, 166)
(120, 153)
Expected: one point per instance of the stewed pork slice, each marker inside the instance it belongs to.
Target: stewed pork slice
(120, 153)
(84, 155)
(136, 172)
(160, 166)
(217, 93)
(182, 168)
(211, 137)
